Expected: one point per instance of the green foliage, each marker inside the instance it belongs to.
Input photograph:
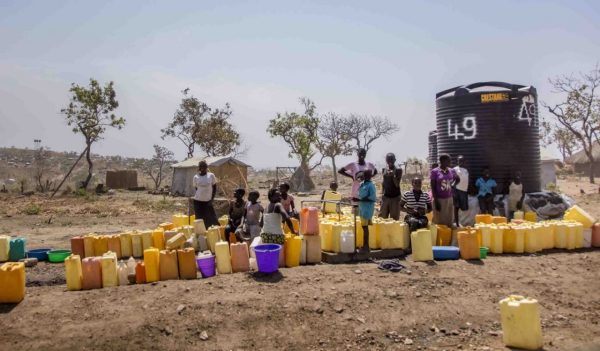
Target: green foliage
(32, 209)
(299, 131)
(90, 110)
(196, 123)
(156, 167)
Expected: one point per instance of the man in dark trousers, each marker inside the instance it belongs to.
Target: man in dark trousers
(390, 199)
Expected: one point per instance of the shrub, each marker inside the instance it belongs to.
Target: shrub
(32, 209)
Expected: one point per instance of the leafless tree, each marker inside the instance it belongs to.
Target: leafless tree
(41, 170)
(367, 129)
(334, 138)
(579, 114)
(156, 167)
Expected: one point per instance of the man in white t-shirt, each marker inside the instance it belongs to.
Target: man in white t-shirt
(460, 191)
(205, 184)
(354, 169)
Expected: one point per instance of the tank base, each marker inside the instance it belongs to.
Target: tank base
(337, 258)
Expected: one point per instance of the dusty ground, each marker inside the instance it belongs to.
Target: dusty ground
(442, 306)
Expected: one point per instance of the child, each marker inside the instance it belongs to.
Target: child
(487, 189)
(252, 221)
(367, 196)
(237, 208)
(287, 200)
(515, 195)
(275, 208)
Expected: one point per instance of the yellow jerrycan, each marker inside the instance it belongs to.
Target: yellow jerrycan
(486, 235)
(158, 238)
(421, 245)
(560, 235)
(12, 281)
(374, 238)
(167, 226)
(578, 214)
(108, 263)
(239, 257)
(293, 249)
(444, 235)
(4, 246)
(521, 325)
(533, 238)
(151, 265)
(468, 245)
(530, 216)
(331, 196)
(114, 245)
(223, 257)
(125, 239)
(100, 245)
(73, 272)
(483, 219)
(212, 237)
(360, 234)
(147, 241)
(313, 248)
(326, 232)
(497, 240)
(88, 245)
(136, 244)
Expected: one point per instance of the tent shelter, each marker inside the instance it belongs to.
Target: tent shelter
(230, 172)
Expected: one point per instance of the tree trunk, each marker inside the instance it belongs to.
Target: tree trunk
(190, 150)
(592, 170)
(335, 173)
(68, 174)
(86, 182)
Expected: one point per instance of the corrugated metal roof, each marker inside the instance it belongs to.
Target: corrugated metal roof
(211, 161)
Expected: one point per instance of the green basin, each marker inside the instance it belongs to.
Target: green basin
(57, 256)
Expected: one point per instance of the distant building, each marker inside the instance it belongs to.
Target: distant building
(581, 163)
(230, 172)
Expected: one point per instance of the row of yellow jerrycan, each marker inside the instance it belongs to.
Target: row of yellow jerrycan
(132, 243)
(533, 237)
(339, 236)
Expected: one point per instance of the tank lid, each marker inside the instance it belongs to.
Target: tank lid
(466, 89)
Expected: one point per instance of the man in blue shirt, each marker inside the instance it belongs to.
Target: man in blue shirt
(487, 188)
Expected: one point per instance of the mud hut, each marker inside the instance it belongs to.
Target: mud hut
(230, 172)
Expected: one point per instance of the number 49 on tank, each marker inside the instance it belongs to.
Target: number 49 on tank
(466, 131)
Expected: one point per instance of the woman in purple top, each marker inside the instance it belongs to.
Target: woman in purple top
(443, 178)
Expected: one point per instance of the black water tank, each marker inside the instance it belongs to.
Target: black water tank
(491, 124)
(433, 154)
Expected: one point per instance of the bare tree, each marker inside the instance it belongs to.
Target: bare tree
(566, 141)
(334, 138)
(156, 167)
(365, 130)
(579, 114)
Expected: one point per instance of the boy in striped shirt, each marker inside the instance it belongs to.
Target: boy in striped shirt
(416, 204)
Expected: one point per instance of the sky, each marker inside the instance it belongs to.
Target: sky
(386, 58)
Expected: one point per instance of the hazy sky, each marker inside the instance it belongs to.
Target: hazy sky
(372, 57)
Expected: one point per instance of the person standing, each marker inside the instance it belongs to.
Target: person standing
(390, 199)
(367, 195)
(515, 195)
(443, 179)
(205, 184)
(355, 169)
(460, 190)
(487, 188)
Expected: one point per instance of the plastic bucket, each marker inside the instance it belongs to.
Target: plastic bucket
(40, 254)
(206, 265)
(267, 257)
(483, 251)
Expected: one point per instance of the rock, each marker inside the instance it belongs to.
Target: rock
(408, 341)
(338, 309)
(484, 348)
(357, 271)
(392, 293)
(145, 307)
(188, 289)
(204, 335)
(454, 332)
(493, 333)
(168, 331)
(361, 319)
(418, 294)
(29, 262)
(434, 329)
(319, 310)
(180, 308)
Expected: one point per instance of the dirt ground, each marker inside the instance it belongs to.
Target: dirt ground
(446, 305)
